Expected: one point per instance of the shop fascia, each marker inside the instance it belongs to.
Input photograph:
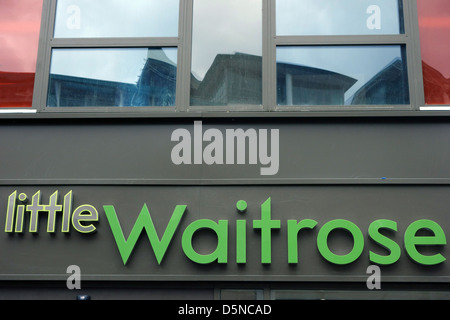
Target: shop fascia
(82, 220)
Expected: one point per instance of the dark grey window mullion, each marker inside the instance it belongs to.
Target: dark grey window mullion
(340, 40)
(269, 56)
(184, 55)
(113, 42)
(44, 54)
(414, 55)
(48, 55)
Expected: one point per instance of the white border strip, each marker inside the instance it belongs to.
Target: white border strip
(32, 111)
(435, 108)
(10, 111)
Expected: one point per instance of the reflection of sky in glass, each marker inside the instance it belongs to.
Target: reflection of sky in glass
(20, 21)
(116, 18)
(119, 65)
(224, 27)
(358, 62)
(334, 17)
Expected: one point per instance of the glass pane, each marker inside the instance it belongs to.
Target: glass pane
(226, 53)
(116, 18)
(112, 77)
(342, 75)
(20, 22)
(434, 24)
(338, 17)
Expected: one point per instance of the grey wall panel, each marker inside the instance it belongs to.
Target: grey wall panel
(316, 151)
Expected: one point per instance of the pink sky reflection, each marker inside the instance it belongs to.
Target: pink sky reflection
(19, 34)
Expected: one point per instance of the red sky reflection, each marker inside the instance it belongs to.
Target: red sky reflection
(20, 22)
(434, 24)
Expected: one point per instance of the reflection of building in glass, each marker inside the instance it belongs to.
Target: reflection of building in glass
(236, 79)
(16, 89)
(389, 86)
(157, 83)
(302, 85)
(232, 79)
(68, 91)
(437, 87)
(155, 87)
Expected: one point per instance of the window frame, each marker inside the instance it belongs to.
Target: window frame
(266, 42)
(402, 39)
(409, 39)
(51, 43)
(424, 107)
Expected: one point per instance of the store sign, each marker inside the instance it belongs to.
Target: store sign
(25, 210)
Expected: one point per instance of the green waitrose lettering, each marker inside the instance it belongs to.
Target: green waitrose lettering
(265, 225)
(83, 217)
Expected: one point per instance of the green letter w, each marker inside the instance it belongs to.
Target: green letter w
(144, 221)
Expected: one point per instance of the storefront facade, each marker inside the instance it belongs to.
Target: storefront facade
(260, 149)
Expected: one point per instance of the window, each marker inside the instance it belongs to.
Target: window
(241, 55)
(226, 53)
(116, 18)
(330, 69)
(342, 75)
(349, 17)
(20, 22)
(109, 53)
(120, 77)
(434, 24)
